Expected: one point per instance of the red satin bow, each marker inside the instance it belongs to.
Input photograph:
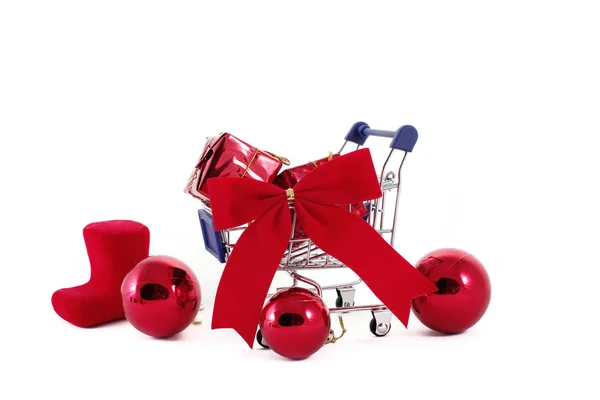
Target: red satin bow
(250, 269)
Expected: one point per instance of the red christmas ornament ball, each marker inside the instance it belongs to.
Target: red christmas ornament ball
(463, 295)
(161, 296)
(295, 323)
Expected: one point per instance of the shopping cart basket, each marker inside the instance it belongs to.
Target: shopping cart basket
(303, 255)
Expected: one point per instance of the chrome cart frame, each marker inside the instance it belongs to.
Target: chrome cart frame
(303, 255)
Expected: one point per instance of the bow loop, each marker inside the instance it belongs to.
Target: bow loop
(239, 201)
(348, 179)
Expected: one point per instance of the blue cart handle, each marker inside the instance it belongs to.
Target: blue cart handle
(403, 139)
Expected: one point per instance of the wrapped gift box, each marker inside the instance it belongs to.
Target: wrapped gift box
(228, 156)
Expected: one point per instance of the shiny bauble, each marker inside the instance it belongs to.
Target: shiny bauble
(295, 323)
(161, 296)
(463, 294)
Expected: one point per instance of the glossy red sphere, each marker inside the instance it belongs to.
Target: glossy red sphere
(161, 296)
(463, 294)
(295, 323)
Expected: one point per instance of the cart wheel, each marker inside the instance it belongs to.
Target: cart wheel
(381, 330)
(260, 340)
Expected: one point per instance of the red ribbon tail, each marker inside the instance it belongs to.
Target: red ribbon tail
(356, 244)
(245, 281)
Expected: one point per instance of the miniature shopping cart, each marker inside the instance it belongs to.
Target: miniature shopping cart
(304, 255)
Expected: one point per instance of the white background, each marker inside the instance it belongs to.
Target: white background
(105, 106)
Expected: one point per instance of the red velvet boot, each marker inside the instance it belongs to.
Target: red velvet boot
(114, 248)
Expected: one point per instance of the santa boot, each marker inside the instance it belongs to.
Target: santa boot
(114, 248)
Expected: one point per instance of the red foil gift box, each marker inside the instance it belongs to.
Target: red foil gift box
(228, 156)
(288, 178)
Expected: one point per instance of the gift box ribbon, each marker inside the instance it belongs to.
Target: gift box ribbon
(250, 269)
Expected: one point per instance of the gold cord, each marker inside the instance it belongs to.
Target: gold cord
(332, 338)
(198, 321)
(329, 158)
(190, 185)
(250, 163)
(282, 159)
